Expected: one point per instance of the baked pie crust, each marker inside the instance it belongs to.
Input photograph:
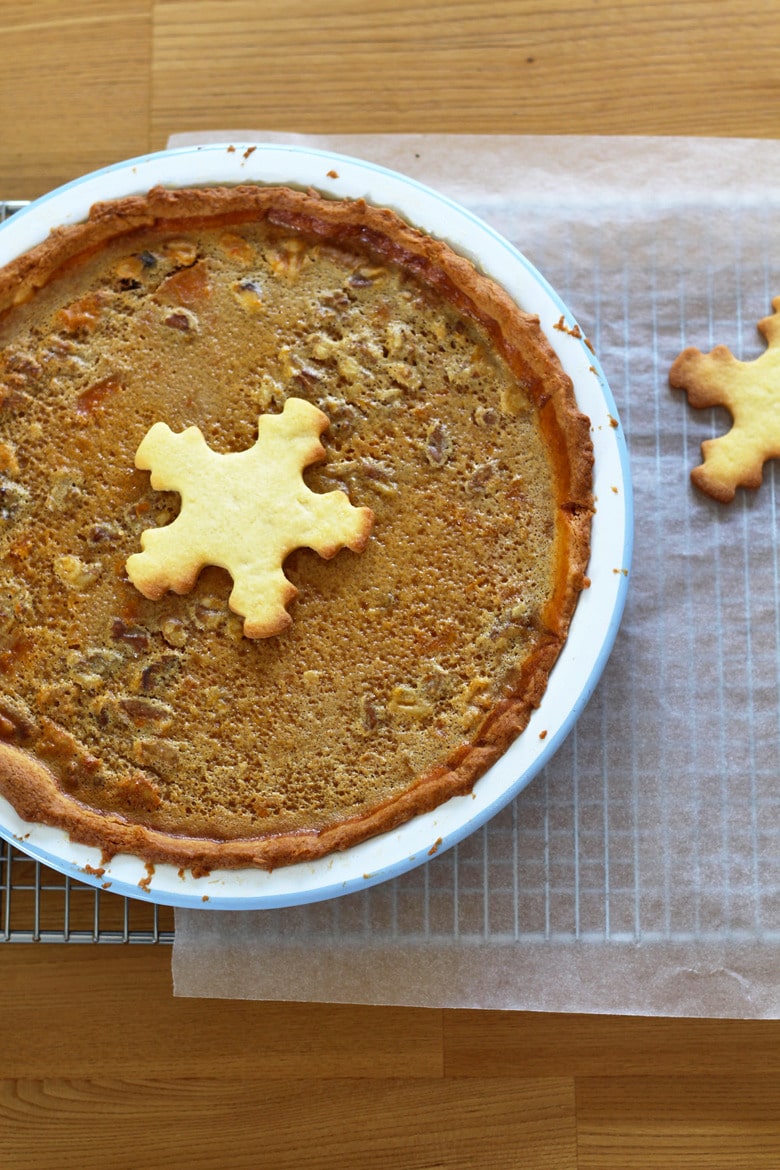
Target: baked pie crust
(155, 727)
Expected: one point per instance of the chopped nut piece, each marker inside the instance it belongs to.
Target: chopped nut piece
(348, 367)
(66, 489)
(75, 573)
(396, 338)
(335, 300)
(136, 637)
(389, 394)
(9, 464)
(481, 477)
(234, 627)
(520, 612)
(438, 445)
(91, 401)
(210, 613)
(84, 314)
(184, 320)
(340, 411)
(324, 347)
(458, 370)
(104, 533)
(157, 674)
(91, 670)
(11, 398)
(248, 293)
(340, 467)
(437, 683)
(514, 400)
(485, 416)
(161, 755)
(188, 287)
(379, 477)
(181, 252)
(140, 793)
(64, 356)
(174, 631)
(478, 691)
(405, 375)
(286, 367)
(14, 501)
(287, 258)
(268, 391)
(473, 701)
(237, 247)
(145, 712)
(89, 682)
(406, 703)
(23, 365)
(371, 713)
(130, 268)
(369, 350)
(308, 376)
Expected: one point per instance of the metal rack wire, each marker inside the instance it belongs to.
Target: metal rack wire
(39, 905)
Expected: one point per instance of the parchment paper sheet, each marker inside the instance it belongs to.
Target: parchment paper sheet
(640, 872)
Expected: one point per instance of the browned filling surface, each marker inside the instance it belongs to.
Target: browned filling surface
(161, 713)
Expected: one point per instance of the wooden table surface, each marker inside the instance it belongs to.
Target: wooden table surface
(101, 1066)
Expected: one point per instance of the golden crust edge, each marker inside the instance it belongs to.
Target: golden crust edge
(35, 793)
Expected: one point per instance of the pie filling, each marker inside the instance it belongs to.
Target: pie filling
(156, 726)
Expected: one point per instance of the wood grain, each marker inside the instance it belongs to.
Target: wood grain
(103, 1012)
(475, 66)
(484, 1044)
(74, 89)
(351, 1123)
(99, 1065)
(722, 1122)
(87, 82)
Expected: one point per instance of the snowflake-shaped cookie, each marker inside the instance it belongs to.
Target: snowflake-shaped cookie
(750, 391)
(244, 511)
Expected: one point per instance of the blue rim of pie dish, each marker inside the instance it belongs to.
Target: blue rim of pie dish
(209, 899)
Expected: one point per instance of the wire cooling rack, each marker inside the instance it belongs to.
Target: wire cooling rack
(39, 905)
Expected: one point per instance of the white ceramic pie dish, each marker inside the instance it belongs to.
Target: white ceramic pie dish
(596, 620)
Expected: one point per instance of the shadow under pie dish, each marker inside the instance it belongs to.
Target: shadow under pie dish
(407, 664)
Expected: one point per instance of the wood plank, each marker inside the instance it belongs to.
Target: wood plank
(477, 66)
(102, 1066)
(259, 1121)
(81, 1011)
(39, 896)
(638, 1123)
(74, 89)
(526, 1044)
